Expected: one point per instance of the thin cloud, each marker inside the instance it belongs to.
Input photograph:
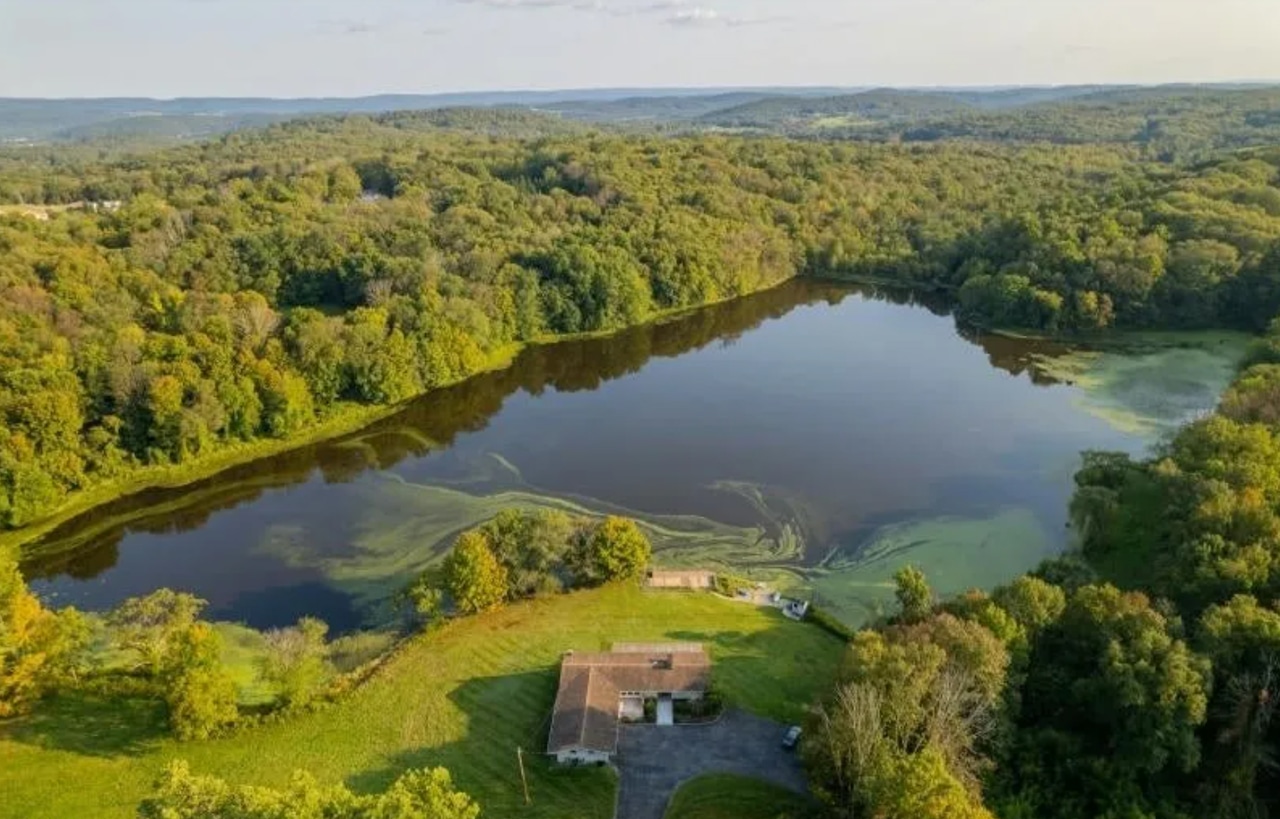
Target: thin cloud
(696, 16)
(575, 5)
(702, 17)
(353, 28)
(363, 28)
(678, 13)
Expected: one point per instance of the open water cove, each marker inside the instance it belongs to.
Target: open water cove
(819, 436)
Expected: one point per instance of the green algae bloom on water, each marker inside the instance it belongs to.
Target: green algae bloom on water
(814, 437)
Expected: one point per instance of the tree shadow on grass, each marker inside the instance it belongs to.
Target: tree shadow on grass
(777, 672)
(721, 639)
(474, 729)
(92, 725)
(501, 714)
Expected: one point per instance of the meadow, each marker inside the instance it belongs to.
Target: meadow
(464, 696)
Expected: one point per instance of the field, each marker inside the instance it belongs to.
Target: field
(465, 697)
(733, 797)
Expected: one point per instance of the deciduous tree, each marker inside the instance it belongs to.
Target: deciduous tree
(616, 549)
(475, 579)
(147, 626)
(39, 648)
(915, 598)
(200, 693)
(296, 662)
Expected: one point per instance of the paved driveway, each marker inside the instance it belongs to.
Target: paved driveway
(653, 760)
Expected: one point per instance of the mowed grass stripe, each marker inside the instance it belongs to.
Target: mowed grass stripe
(465, 697)
(723, 796)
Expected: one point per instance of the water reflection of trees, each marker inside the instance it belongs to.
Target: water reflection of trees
(89, 544)
(1018, 355)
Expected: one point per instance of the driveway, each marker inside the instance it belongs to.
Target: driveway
(654, 760)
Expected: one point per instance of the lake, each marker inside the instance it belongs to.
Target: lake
(816, 436)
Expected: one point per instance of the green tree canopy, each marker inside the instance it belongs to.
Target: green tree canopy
(616, 549)
(147, 626)
(200, 693)
(39, 648)
(1111, 688)
(915, 598)
(417, 794)
(296, 662)
(476, 581)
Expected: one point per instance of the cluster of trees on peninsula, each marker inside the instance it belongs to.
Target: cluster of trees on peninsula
(1137, 679)
(251, 288)
(526, 553)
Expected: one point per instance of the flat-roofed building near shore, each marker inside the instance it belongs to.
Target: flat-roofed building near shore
(598, 691)
(681, 579)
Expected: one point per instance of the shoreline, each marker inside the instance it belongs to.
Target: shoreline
(347, 420)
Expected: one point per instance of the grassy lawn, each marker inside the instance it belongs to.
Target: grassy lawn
(463, 697)
(722, 796)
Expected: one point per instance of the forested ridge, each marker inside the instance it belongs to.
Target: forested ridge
(250, 287)
(1172, 123)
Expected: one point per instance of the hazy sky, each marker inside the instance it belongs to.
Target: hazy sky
(350, 47)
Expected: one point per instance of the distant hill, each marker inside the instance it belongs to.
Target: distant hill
(648, 109)
(55, 119)
(1175, 119)
(506, 122)
(164, 127)
(1183, 121)
(1019, 97)
(878, 104)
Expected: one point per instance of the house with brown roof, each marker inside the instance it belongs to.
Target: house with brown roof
(599, 691)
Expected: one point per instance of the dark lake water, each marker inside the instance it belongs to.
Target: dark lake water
(788, 432)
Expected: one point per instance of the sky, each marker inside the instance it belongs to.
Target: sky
(168, 48)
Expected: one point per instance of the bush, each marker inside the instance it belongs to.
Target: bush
(730, 585)
(828, 622)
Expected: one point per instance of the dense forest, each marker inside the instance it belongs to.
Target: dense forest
(211, 295)
(1136, 679)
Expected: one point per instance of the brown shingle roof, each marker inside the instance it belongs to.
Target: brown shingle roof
(586, 713)
(586, 709)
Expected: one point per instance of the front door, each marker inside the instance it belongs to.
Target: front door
(666, 710)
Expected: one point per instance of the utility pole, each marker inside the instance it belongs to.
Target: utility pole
(523, 779)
